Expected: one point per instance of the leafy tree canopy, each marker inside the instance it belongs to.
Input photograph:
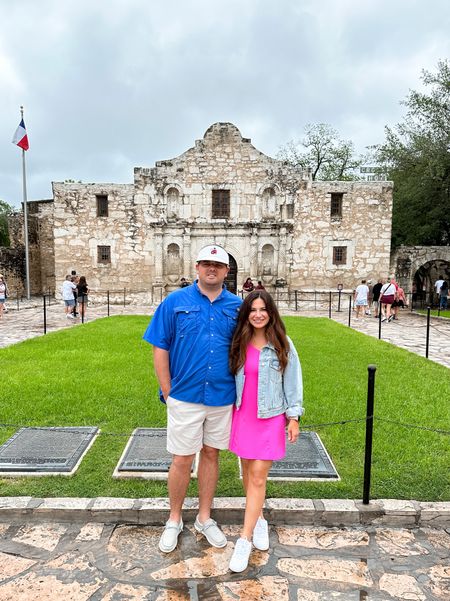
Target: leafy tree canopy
(416, 156)
(5, 211)
(324, 152)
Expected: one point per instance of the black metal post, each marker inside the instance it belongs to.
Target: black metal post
(107, 300)
(45, 315)
(339, 301)
(427, 345)
(296, 301)
(349, 309)
(329, 305)
(379, 320)
(369, 433)
(82, 307)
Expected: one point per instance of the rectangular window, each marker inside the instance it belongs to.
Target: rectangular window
(220, 204)
(336, 204)
(290, 211)
(102, 205)
(104, 254)
(339, 255)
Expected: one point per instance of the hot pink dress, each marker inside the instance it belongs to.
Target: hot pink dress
(252, 437)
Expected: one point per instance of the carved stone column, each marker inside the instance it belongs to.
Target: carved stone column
(253, 255)
(186, 258)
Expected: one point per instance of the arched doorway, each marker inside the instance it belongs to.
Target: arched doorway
(424, 279)
(231, 279)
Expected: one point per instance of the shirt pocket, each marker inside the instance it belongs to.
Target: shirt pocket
(187, 320)
(229, 317)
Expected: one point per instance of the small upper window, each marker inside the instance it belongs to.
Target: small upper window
(339, 255)
(220, 204)
(102, 205)
(336, 204)
(104, 254)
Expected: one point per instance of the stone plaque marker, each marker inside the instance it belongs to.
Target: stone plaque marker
(43, 451)
(307, 459)
(146, 456)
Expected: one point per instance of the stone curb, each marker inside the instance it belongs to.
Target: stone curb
(230, 510)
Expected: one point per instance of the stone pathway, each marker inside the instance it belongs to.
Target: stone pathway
(115, 562)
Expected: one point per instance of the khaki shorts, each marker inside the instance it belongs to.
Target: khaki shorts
(192, 425)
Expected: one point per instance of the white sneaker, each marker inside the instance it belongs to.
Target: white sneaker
(169, 537)
(70, 316)
(211, 532)
(241, 555)
(261, 535)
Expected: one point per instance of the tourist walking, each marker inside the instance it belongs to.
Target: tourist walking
(443, 295)
(82, 296)
(387, 296)
(269, 395)
(376, 297)
(191, 333)
(3, 294)
(67, 291)
(360, 297)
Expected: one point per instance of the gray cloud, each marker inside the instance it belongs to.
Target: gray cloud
(110, 85)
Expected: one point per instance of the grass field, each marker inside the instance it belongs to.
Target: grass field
(434, 312)
(101, 374)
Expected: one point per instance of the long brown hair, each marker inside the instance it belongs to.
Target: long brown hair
(275, 332)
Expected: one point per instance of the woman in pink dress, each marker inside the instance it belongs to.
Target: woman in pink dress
(269, 395)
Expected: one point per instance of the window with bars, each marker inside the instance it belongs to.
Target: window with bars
(339, 255)
(102, 205)
(104, 254)
(220, 204)
(336, 204)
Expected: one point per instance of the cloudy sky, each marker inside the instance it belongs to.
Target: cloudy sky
(108, 85)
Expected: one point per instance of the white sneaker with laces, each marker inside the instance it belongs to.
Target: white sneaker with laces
(241, 555)
(169, 537)
(261, 535)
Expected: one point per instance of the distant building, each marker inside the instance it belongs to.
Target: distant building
(277, 224)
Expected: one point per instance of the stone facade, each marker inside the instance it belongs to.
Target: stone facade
(274, 221)
(277, 224)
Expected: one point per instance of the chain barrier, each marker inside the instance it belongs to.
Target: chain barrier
(302, 427)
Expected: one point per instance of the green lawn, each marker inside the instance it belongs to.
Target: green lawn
(100, 374)
(434, 312)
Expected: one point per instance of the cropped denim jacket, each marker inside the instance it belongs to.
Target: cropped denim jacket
(277, 392)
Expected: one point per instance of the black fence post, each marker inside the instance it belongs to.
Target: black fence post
(107, 300)
(45, 315)
(379, 320)
(369, 433)
(339, 300)
(427, 345)
(296, 301)
(329, 305)
(82, 307)
(349, 309)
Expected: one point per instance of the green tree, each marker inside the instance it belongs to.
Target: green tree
(324, 152)
(416, 157)
(5, 211)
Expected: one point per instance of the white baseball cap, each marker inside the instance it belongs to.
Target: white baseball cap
(213, 253)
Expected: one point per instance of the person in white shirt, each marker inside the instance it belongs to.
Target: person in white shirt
(67, 294)
(361, 299)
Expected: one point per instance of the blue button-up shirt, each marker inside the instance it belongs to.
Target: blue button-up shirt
(197, 334)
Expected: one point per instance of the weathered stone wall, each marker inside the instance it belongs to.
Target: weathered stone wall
(12, 267)
(279, 224)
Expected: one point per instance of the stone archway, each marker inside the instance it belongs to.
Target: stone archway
(231, 279)
(418, 267)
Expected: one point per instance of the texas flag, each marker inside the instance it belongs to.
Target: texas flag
(20, 137)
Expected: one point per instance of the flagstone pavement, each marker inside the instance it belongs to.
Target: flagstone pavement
(117, 562)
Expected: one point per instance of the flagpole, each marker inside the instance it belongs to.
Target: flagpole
(25, 220)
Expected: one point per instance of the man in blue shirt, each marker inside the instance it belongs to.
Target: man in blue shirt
(191, 333)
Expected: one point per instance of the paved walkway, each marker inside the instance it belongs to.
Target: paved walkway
(408, 332)
(117, 562)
